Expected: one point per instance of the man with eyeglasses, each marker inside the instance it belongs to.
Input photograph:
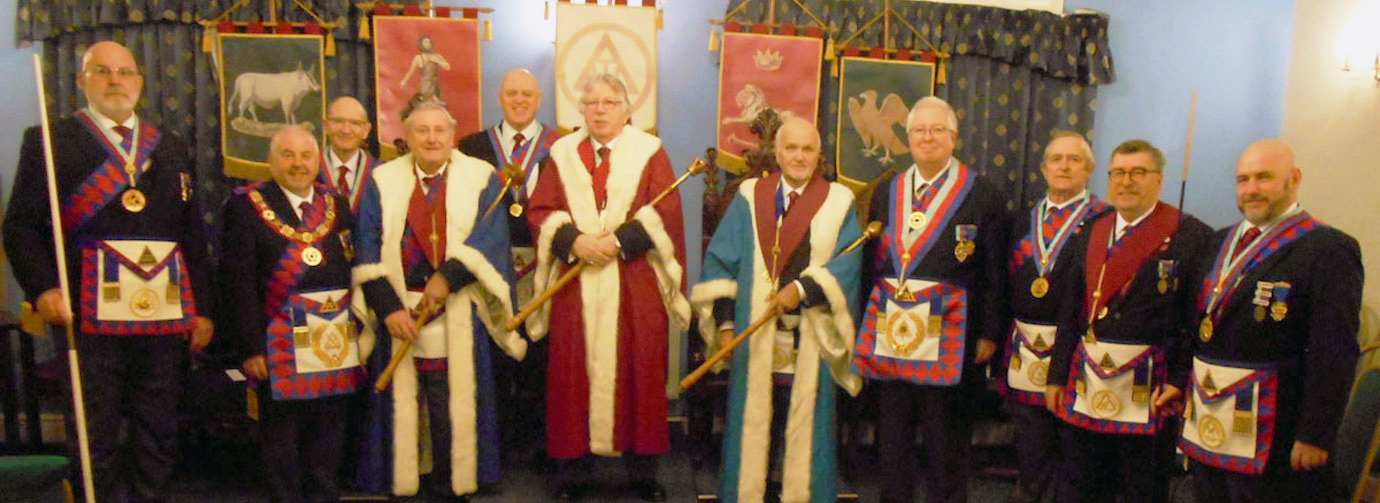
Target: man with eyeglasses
(434, 271)
(519, 143)
(934, 312)
(1116, 374)
(137, 261)
(606, 375)
(345, 163)
(1275, 348)
(1039, 259)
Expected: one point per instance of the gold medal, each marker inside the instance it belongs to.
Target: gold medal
(916, 221)
(964, 249)
(133, 200)
(1038, 373)
(144, 303)
(311, 256)
(1163, 285)
(1259, 314)
(1039, 288)
(268, 214)
(1278, 311)
(1211, 432)
(1205, 330)
(515, 210)
(1105, 404)
(904, 294)
(308, 237)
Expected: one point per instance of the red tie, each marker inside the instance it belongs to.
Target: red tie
(790, 198)
(1246, 240)
(342, 182)
(124, 132)
(601, 177)
(305, 206)
(517, 143)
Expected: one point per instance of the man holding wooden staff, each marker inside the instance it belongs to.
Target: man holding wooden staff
(425, 249)
(606, 377)
(934, 314)
(778, 248)
(140, 275)
(285, 255)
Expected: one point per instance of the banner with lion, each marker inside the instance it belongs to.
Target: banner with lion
(757, 72)
(266, 82)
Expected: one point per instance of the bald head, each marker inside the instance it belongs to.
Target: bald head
(520, 97)
(1267, 181)
(110, 80)
(797, 150)
(347, 127)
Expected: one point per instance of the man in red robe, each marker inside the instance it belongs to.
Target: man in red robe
(606, 378)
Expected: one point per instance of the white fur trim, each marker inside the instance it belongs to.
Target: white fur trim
(668, 270)
(545, 273)
(702, 297)
(365, 273)
(490, 293)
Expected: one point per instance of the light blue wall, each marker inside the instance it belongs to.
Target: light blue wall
(1235, 53)
(19, 108)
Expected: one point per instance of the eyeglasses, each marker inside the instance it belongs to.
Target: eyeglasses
(934, 130)
(107, 71)
(1135, 174)
(608, 104)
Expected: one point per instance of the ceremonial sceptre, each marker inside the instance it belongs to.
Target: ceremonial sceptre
(59, 242)
(873, 229)
(696, 167)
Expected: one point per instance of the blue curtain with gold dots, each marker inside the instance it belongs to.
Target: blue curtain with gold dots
(1013, 78)
(180, 90)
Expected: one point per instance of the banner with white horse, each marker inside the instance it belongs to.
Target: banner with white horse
(266, 82)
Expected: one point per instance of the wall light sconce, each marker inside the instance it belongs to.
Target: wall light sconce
(1358, 42)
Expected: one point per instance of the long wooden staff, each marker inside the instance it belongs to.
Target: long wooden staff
(696, 167)
(59, 243)
(1188, 149)
(873, 229)
(386, 377)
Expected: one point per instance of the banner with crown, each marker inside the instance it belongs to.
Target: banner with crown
(606, 39)
(759, 72)
(267, 81)
(419, 59)
(875, 95)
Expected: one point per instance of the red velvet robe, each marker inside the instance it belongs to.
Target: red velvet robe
(639, 398)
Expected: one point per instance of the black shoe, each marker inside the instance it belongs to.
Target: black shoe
(568, 493)
(649, 490)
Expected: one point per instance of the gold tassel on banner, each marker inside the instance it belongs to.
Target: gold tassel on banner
(942, 76)
(208, 39)
(546, 11)
(364, 26)
(488, 30)
(833, 67)
(829, 49)
(660, 20)
(330, 43)
(713, 40)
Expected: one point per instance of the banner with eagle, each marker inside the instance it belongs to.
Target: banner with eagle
(266, 82)
(875, 95)
(757, 72)
(613, 39)
(419, 59)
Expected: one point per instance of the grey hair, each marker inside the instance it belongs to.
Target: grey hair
(277, 139)
(933, 102)
(1082, 145)
(613, 82)
(795, 121)
(427, 105)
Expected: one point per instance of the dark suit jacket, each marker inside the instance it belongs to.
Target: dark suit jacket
(478, 145)
(983, 275)
(250, 253)
(28, 227)
(1142, 315)
(1316, 340)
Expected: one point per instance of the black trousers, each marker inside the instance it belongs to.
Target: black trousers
(521, 390)
(434, 391)
(301, 442)
(944, 416)
(576, 471)
(1103, 467)
(1279, 483)
(133, 378)
(1037, 448)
